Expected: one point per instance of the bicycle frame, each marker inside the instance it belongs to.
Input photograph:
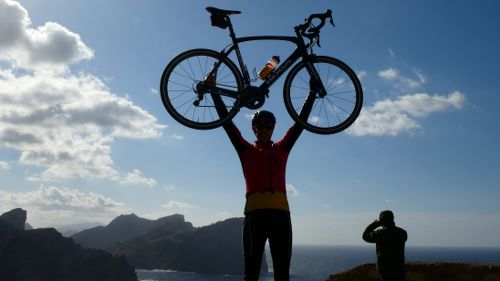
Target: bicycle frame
(300, 52)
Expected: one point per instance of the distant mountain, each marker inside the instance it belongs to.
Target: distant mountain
(45, 255)
(171, 243)
(67, 230)
(125, 227)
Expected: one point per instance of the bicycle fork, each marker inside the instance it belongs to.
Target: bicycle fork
(315, 83)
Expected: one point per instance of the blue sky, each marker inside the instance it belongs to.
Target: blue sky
(84, 136)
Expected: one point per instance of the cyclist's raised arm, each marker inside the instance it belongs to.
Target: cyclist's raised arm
(308, 105)
(294, 132)
(231, 130)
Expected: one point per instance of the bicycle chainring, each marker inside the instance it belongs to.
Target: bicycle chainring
(253, 98)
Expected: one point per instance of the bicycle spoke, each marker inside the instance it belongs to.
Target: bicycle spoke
(302, 79)
(211, 105)
(342, 98)
(182, 75)
(202, 69)
(313, 118)
(179, 95)
(300, 88)
(340, 84)
(341, 108)
(224, 77)
(191, 68)
(332, 106)
(176, 83)
(326, 112)
(331, 81)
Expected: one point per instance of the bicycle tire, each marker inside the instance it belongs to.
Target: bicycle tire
(178, 82)
(341, 105)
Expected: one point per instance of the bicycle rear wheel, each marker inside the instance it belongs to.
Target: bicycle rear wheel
(341, 105)
(188, 97)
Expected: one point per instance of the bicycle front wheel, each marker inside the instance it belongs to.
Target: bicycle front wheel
(341, 105)
(188, 97)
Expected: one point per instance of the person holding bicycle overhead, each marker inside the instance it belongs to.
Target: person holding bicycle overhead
(267, 214)
(199, 81)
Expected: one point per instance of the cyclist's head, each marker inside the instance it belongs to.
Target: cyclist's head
(263, 118)
(263, 125)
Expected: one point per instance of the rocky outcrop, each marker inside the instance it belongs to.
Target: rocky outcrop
(44, 254)
(427, 272)
(16, 218)
(171, 243)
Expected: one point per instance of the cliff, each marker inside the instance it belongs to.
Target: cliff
(427, 272)
(171, 243)
(44, 254)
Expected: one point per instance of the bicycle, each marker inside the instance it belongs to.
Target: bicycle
(192, 77)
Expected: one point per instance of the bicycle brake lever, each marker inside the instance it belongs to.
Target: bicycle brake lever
(331, 21)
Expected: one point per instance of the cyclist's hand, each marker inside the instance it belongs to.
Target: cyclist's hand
(313, 87)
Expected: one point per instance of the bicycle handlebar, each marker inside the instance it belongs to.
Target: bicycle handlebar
(306, 30)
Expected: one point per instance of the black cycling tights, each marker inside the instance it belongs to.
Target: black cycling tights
(259, 226)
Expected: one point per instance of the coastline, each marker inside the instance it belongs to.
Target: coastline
(422, 271)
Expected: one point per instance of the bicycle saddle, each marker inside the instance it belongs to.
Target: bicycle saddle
(219, 12)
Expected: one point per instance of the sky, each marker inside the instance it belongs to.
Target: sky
(84, 136)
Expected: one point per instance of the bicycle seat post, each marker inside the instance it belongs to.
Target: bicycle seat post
(232, 34)
(220, 18)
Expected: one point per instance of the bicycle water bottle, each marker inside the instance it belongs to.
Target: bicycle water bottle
(269, 67)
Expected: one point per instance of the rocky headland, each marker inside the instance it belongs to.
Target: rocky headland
(45, 255)
(427, 272)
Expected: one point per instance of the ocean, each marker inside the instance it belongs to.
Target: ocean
(317, 263)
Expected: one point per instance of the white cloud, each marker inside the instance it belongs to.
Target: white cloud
(136, 177)
(169, 187)
(389, 74)
(392, 117)
(52, 205)
(362, 74)
(154, 91)
(50, 45)
(291, 190)
(401, 83)
(172, 204)
(62, 123)
(4, 165)
(65, 123)
(178, 137)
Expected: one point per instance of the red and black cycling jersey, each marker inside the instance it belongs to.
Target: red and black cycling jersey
(264, 164)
